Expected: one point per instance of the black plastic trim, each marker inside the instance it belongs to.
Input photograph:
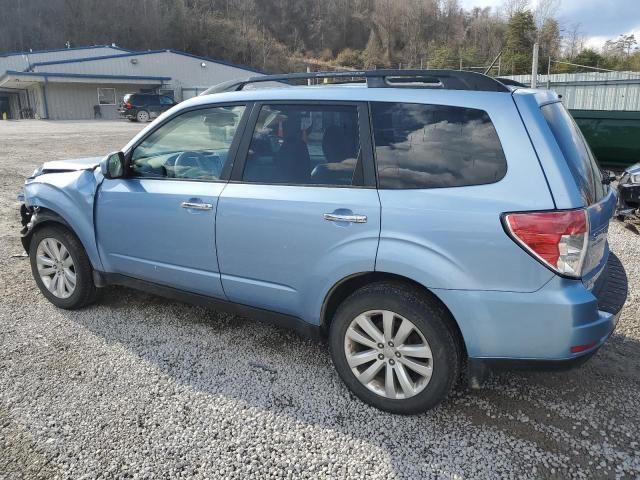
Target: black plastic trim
(612, 287)
(290, 322)
(480, 368)
(383, 78)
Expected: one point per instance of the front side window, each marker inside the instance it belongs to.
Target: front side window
(107, 96)
(166, 100)
(305, 145)
(435, 146)
(194, 145)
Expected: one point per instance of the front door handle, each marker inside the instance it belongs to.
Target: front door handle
(196, 206)
(333, 217)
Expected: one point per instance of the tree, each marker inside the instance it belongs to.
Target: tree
(590, 58)
(513, 7)
(521, 34)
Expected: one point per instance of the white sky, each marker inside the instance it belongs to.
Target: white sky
(599, 20)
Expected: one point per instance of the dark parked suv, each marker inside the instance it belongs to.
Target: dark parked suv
(143, 107)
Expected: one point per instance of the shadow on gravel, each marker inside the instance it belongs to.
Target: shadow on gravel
(567, 416)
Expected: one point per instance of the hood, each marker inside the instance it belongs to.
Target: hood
(57, 166)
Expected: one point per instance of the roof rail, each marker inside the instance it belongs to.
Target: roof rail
(445, 79)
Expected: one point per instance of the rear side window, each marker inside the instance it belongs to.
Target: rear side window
(435, 146)
(305, 145)
(582, 164)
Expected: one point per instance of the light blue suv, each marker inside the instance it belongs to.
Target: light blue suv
(428, 223)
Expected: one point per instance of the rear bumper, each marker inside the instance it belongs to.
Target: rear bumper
(562, 323)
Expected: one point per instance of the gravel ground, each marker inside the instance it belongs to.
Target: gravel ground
(141, 387)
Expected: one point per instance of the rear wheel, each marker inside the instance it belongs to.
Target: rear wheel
(143, 116)
(61, 268)
(394, 347)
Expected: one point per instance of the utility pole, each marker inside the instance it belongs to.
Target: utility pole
(534, 66)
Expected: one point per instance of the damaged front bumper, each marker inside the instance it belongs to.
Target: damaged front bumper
(28, 218)
(629, 190)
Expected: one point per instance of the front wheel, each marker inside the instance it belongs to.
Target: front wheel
(61, 268)
(395, 348)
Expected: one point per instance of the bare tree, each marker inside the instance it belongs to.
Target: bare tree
(511, 7)
(574, 41)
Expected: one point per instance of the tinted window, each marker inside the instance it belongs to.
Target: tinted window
(166, 101)
(194, 145)
(576, 151)
(431, 146)
(107, 96)
(304, 145)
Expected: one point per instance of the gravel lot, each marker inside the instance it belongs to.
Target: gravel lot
(141, 387)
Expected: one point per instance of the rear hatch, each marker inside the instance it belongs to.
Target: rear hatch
(599, 199)
(127, 102)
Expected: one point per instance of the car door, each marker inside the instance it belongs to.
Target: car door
(158, 223)
(166, 103)
(154, 106)
(302, 210)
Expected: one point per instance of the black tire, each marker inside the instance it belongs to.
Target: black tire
(428, 316)
(143, 116)
(85, 290)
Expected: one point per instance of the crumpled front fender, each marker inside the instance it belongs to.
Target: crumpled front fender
(71, 196)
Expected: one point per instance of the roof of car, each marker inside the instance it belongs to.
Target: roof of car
(349, 93)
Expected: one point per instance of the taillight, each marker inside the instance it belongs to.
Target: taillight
(128, 106)
(558, 239)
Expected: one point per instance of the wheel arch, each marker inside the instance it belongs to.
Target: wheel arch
(346, 286)
(34, 220)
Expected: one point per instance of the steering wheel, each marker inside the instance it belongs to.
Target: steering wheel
(187, 160)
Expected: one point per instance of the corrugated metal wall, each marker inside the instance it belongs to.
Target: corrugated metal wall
(76, 101)
(185, 71)
(618, 91)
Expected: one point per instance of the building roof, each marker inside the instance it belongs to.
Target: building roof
(30, 52)
(14, 78)
(130, 53)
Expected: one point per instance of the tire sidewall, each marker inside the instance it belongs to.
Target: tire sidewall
(427, 317)
(83, 279)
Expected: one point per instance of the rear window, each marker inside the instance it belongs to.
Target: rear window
(435, 146)
(582, 164)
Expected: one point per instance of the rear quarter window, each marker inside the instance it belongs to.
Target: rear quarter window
(435, 146)
(581, 162)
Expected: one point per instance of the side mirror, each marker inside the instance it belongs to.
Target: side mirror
(112, 166)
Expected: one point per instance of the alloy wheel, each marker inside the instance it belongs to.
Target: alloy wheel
(56, 268)
(388, 354)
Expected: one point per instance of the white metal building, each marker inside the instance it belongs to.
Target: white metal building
(89, 82)
(610, 91)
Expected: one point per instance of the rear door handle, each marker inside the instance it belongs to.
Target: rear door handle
(333, 217)
(196, 206)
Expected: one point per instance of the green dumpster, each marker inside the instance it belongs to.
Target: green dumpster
(614, 136)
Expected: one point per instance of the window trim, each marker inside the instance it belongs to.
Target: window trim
(364, 132)
(375, 158)
(233, 148)
(115, 96)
